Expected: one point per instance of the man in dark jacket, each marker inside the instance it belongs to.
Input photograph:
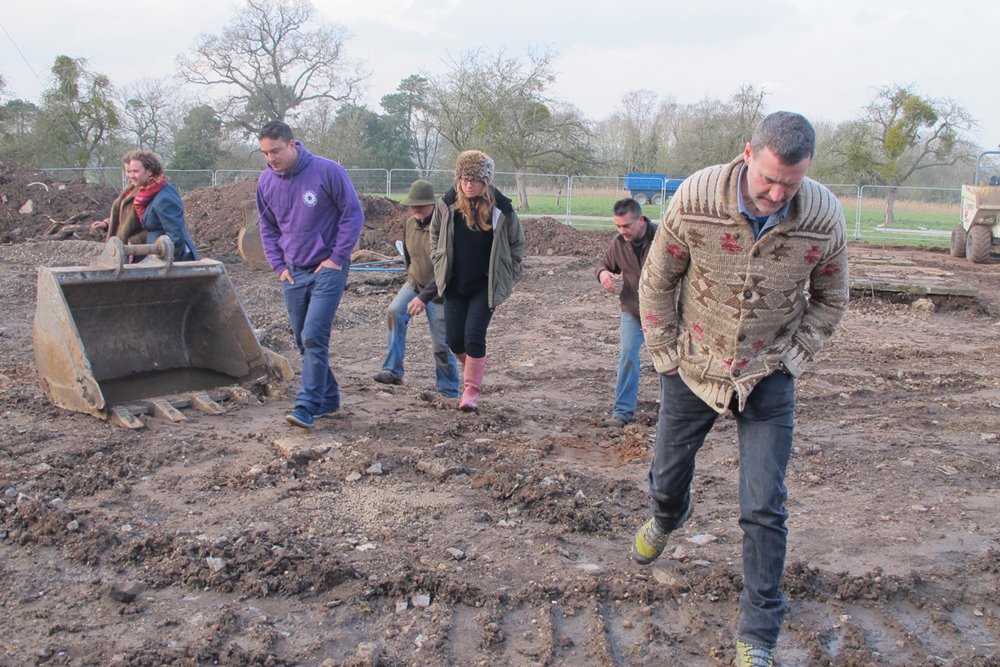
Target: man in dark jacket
(418, 295)
(310, 219)
(623, 260)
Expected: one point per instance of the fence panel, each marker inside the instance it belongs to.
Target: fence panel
(113, 177)
(849, 196)
(543, 194)
(370, 181)
(227, 176)
(401, 179)
(186, 180)
(921, 216)
(592, 199)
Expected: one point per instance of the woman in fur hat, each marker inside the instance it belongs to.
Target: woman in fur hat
(477, 245)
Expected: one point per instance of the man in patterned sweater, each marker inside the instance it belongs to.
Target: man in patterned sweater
(746, 279)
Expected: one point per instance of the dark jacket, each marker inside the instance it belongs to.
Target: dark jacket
(506, 254)
(620, 258)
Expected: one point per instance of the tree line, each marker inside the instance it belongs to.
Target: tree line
(275, 61)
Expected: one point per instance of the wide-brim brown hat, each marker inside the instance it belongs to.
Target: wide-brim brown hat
(421, 193)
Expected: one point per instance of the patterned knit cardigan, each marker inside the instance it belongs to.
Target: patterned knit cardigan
(727, 310)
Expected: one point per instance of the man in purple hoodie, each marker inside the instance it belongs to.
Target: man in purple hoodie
(310, 219)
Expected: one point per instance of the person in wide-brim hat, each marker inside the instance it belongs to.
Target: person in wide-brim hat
(477, 246)
(421, 194)
(418, 294)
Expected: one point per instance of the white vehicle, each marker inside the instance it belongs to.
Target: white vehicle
(979, 228)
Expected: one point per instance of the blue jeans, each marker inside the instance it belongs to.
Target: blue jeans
(445, 365)
(627, 378)
(764, 430)
(466, 318)
(312, 303)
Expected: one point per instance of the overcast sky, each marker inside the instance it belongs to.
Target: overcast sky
(823, 58)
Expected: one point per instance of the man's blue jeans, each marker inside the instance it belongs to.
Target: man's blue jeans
(312, 303)
(627, 378)
(445, 364)
(764, 430)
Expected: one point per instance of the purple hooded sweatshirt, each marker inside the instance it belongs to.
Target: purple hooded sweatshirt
(308, 215)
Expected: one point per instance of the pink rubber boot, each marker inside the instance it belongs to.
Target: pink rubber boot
(474, 369)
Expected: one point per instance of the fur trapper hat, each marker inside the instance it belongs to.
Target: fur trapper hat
(474, 164)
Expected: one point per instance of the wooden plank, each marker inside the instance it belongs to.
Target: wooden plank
(918, 289)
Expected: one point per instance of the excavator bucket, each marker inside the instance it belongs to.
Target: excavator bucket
(249, 243)
(111, 333)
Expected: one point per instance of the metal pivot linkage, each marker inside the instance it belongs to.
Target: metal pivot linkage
(115, 252)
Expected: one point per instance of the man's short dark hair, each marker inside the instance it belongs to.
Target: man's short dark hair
(788, 135)
(275, 129)
(627, 207)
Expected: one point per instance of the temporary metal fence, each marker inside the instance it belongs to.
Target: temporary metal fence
(592, 200)
(922, 215)
(532, 194)
(227, 176)
(112, 177)
(189, 179)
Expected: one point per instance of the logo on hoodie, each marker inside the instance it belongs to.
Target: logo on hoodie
(309, 198)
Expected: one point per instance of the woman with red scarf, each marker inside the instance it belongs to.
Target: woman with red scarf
(149, 208)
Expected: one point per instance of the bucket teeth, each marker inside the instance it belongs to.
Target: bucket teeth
(121, 416)
(163, 408)
(204, 403)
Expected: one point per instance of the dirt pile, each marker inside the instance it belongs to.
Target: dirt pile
(215, 214)
(32, 203)
(547, 236)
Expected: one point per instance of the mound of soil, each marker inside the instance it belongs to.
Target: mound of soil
(32, 203)
(215, 215)
(548, 236)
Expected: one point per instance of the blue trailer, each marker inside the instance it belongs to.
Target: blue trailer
(651, 188)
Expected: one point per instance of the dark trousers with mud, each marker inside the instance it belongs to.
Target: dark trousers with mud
(764, 429)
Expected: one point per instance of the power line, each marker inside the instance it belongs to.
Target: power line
(23, 57)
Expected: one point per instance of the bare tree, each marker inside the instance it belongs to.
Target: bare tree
(151, 112)
(499, 103)
(715, 131)
(273, 57)
(636, 137)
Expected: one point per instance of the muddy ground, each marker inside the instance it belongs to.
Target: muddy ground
(409, 533)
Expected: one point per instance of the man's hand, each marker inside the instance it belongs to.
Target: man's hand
(415, 306)
(286, 277)
(327, 264)
(608, 281)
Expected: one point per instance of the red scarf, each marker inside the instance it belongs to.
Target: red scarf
(145, 194)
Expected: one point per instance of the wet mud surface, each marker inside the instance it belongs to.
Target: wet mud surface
(414, 534)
